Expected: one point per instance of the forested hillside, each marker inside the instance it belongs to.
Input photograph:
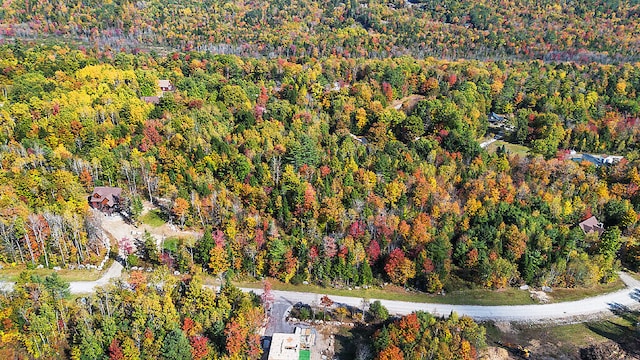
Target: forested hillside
(305, 172)
(576, 30)
(153, 316)
(335, 143)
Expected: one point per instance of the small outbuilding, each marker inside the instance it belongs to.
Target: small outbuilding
(165, 85)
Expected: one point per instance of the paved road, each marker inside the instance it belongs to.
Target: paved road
(565, 312)
(569, 312)
(278, 317)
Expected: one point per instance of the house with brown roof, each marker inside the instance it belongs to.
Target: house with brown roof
(106, 199)
(592, 225)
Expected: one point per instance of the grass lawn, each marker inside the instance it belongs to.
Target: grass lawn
(171, 244)
(12, 273)
(152, 218)
(561, 295)
(514, 149)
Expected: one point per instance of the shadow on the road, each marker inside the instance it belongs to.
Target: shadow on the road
(121, 260)
(635, 294)
(624, 312)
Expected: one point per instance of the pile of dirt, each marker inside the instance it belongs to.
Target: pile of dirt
(605, 351)
(494, 353)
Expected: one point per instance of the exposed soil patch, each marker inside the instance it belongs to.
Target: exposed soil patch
(606, 339)
(407, 103)
(539, 296)
(494, 353)
(605, 351)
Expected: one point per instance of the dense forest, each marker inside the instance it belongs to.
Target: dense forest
(331, 142)
(577, 30)
(422, 336)
(310, 172)
(152, 316)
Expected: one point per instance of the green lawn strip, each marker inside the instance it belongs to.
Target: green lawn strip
(12, 274)
(509, 296)
(563, 295)
(467, 297)
(152, 218)
(514, 149)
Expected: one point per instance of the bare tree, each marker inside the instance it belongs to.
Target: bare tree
(38, 225)
(74, 225)
(56, 225)
(276, 168)
(130, 174)
(216, 219)
(93, 226)
(149, 179)
(7, 231)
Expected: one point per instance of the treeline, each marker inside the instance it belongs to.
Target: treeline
(594, 30)
(315, 171)
(421, 336)
(151, 316)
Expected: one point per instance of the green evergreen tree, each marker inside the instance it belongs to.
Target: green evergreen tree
(203, 248)
(176, 346)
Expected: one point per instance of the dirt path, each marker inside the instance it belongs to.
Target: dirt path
(408, 102)
(87, 287)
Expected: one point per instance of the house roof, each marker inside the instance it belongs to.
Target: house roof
(164, 83)
(284, 347)
(112, 194)
(592, 224)
(151, 99)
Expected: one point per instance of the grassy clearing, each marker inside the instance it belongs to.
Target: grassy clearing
(467, 297)
(561, 295)
(153, 218)
(171, 244)
(511, 148)
(12, 273)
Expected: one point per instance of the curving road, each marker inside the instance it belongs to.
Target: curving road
(83, 287)
(564, 312)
